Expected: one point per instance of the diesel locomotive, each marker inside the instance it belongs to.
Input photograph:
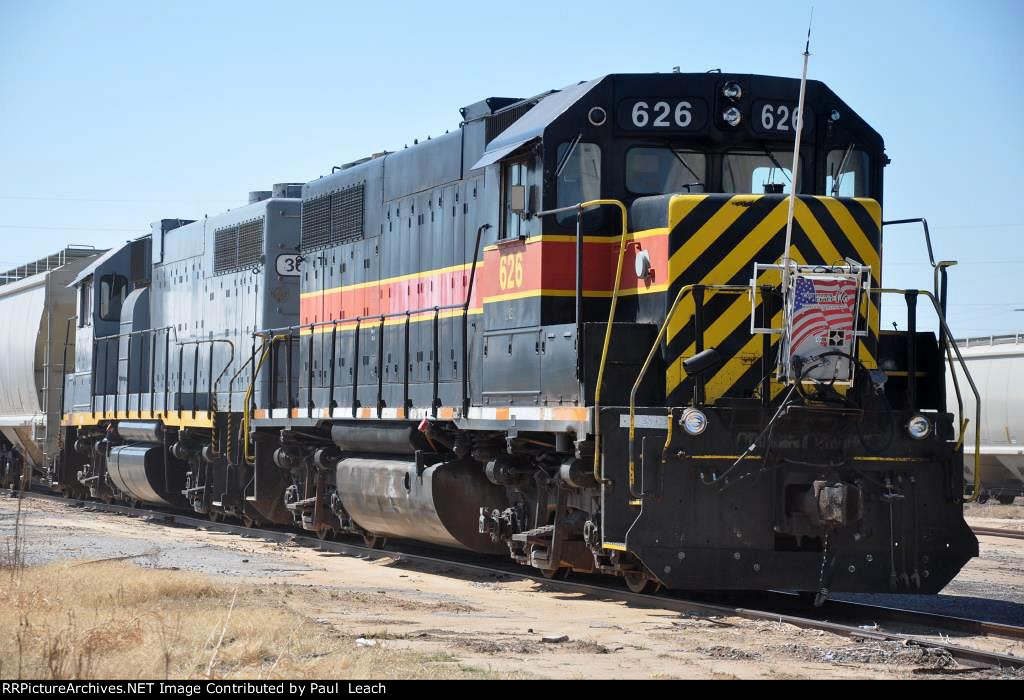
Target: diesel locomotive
(567, 331)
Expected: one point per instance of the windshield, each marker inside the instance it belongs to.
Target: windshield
(660, 170)
(847, 173)
(580, 178)
(767, 172)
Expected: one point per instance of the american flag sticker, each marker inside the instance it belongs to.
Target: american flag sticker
(824, 311)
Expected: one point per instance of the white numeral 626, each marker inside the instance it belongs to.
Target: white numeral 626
(779, 118)
(682, 115)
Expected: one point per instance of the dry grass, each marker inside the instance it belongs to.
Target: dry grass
(117, 620)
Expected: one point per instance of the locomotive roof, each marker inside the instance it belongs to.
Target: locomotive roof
(550, 106)
(532, 124)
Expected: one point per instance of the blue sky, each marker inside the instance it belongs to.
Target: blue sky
(114, 114)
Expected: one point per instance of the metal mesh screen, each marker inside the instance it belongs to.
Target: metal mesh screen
(347, 215)
(225, 249)
(316, 222)
(237, 247)
(333, 218)
(502, 120)
(250, 243)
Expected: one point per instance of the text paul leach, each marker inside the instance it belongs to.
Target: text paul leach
(302, 689)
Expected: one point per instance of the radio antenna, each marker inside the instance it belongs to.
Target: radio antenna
(786, 261)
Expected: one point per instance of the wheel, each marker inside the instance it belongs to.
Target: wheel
(1006, 499)
(372, 541)
(325, 533)
(640, 582)
(249, 521)
(215, 516)
(983, 498)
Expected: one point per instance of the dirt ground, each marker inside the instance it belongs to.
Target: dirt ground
(437, 623)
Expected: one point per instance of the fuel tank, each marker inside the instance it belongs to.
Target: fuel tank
(141, 431)
(138, 470)
(441, 505)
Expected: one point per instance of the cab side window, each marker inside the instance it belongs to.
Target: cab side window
(85, 304)
(516, 174)
(113, 290)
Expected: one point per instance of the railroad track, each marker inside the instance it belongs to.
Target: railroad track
(786, 609)
(999, 532)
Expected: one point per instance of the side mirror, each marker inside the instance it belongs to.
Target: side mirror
(517, 199)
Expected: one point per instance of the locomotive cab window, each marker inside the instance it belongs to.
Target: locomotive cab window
(113, 290)
(85, 304)
(580, 178)
(846, 173)
(662, 170)
(515, 194)
(768, 172)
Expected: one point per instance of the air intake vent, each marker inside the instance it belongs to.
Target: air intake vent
(238, 247)
(250, 243)
(502, 120)
(334, 218)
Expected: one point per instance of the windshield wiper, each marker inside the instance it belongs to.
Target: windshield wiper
(687, 166)
(837, 177)
(775, 161)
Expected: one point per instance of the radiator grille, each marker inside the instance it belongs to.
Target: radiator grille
(238, 247)
(316, 222)
(497, 123)
(347, 215)
(225, 249)
(333, 218)
(250, 243)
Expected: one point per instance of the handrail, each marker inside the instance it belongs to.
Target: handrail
(268, 345)
(683, 292)
(435, 310)
(578, 208)
(951, 342)
(270, 332)
(944, 329)
(608, 328)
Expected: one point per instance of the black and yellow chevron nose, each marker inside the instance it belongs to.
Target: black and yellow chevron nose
(716, 239)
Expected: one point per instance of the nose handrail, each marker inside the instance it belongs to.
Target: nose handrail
(683, 292)
(950, 342)
(909, 294)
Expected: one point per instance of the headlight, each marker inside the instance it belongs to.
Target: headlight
(732, 91)
(694, 422)
(919, 427)
(732, 116)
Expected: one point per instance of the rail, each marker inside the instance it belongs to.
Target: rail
(861, 621)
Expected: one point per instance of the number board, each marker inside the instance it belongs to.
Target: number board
(289, 265)
(778, 117)
(662, 114)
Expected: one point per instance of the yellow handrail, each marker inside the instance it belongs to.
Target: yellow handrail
(683, 291)
(944, 329)
(268, 344)
(608, 328)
